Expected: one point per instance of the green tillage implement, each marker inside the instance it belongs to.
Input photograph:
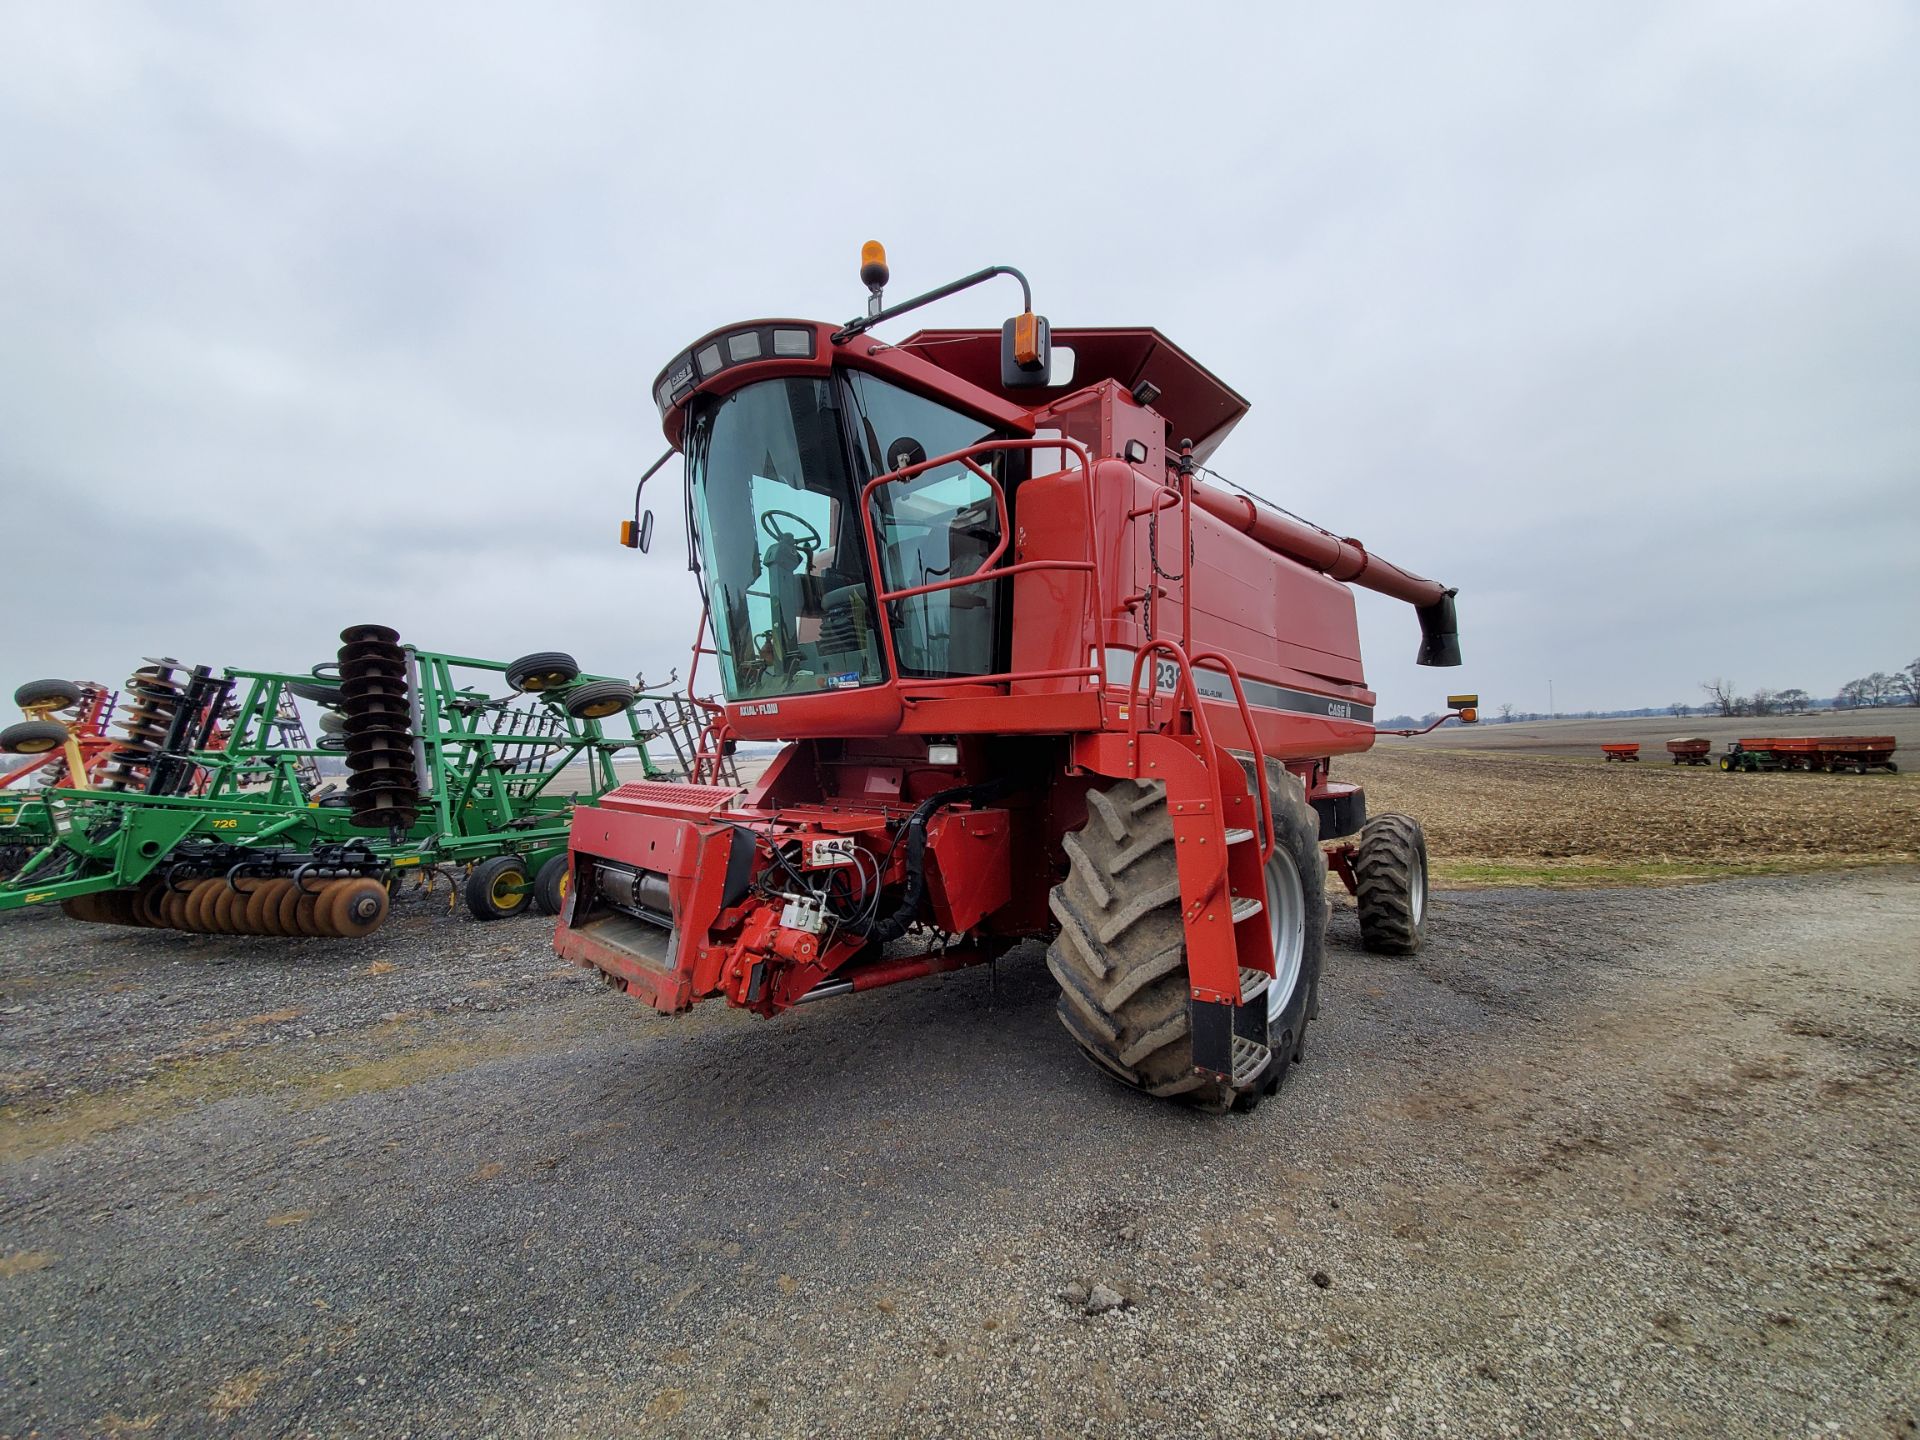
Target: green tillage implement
(277, 856)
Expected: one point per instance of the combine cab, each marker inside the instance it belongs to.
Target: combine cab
(1036, 679)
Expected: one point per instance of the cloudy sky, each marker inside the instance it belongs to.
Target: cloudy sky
(1609, 315)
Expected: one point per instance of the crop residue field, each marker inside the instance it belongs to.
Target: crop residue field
(1513, 817)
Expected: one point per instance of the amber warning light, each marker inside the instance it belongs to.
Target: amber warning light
(874, 273)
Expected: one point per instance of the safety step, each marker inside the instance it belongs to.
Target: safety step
(1249, 1059)
(1239, 835)
(1253, 984)
(1245, 907)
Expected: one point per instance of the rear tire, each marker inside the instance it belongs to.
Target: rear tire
(1390, 882)
(550, 886)
(1120, 956)
(498, 888)
(597, 699)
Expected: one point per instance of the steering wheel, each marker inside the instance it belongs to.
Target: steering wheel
(807, 543)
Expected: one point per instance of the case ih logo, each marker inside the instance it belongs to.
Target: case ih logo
(1339, 709)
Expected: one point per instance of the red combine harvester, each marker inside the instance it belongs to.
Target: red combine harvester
(1036, 678)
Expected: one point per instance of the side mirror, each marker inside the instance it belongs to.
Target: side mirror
(1026, 352)
(638, 534)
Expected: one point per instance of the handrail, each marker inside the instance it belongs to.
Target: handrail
(1203, 728)
(693, 669)
(1262, 800)
(989, 568)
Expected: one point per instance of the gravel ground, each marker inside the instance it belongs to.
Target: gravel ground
(1597, 1161)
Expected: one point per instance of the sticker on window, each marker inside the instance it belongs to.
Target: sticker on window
(848, 681)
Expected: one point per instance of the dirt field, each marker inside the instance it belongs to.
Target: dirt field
(1548, 809)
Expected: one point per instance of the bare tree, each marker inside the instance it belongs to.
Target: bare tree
(1879, 687)
(1762, 702)
(1506, 714)
(1852, 694)
(1722, 695)
(1680, 709)
(1906, 681)
(1793, 702)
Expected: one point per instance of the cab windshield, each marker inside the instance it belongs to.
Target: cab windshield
(775, 471)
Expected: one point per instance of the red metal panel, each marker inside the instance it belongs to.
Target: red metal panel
(652, 795)
(1197, 404)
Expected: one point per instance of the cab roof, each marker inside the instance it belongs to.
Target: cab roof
(1196, 403)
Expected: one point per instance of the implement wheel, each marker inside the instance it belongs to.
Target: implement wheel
(1390, 880)
(498, 888)
(598, 699)
(543, 670)
(33, 737)
(1120, 958)
(62, 693)
(551, 884)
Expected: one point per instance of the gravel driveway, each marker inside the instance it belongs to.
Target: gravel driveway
(1595, 1161)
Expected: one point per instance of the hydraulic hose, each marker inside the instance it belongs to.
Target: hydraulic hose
(895, 925)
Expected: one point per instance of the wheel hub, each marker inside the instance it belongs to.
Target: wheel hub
(1287, 928)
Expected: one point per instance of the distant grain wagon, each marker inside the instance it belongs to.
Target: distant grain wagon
(1689, 750)
(1833, 753)
(1621, 752)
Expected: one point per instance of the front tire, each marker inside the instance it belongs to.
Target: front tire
(33, 737)
(1390, 883)
(543, 670)
(1120, 957)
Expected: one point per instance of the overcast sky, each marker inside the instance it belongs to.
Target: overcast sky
(1609, 315)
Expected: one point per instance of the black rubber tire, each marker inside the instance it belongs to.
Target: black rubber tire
(484, 884)
(1120, 956)
(1726, 763)
(43, 692)
(320, 692)
(1390, 881)
(550, 886)
(597, 699)
(543, 670)
(33, 737)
